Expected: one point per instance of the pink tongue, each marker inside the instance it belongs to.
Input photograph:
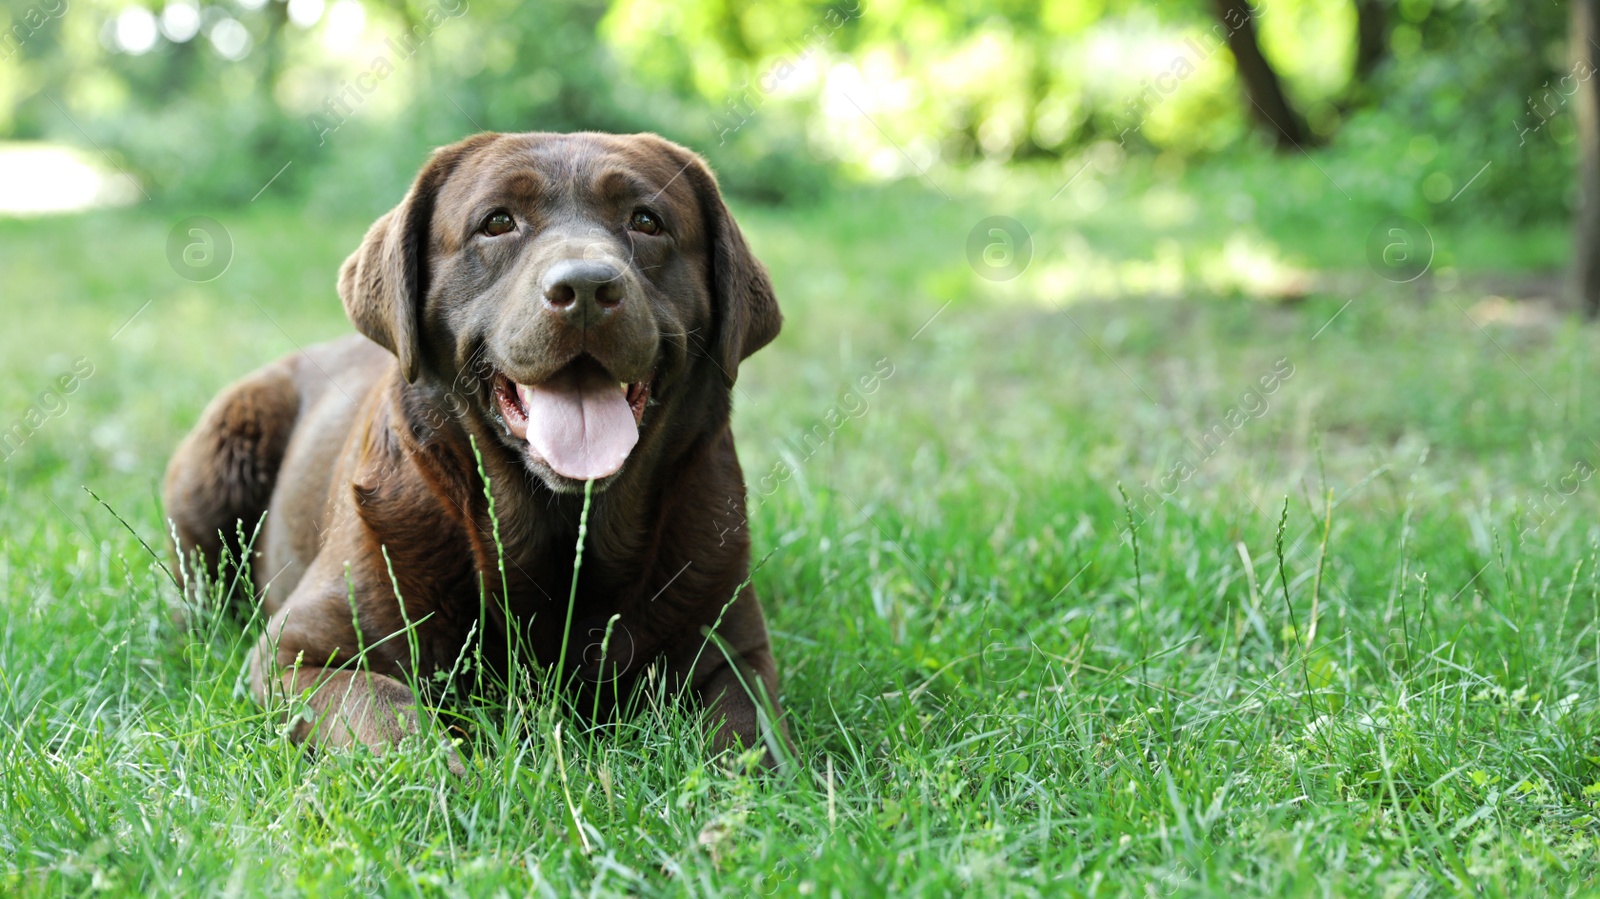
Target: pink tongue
(579, 422)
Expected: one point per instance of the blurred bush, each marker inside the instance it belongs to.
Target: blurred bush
(210, 104)
(1469, 83)
(209, 101)
(1460, 83)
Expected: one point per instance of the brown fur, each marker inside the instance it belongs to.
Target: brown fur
(365, 445)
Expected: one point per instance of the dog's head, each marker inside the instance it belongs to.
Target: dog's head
(571, 290)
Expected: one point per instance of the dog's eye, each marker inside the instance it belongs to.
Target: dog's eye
(645, 222)
(499, 222)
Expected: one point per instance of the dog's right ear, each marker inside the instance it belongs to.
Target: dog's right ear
(384, 282)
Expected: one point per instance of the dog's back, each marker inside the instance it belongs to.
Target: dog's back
(293, 413)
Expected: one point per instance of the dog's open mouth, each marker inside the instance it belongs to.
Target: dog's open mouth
(581, 421)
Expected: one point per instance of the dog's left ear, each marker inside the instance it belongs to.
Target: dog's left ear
(385, 280)
(744, 303)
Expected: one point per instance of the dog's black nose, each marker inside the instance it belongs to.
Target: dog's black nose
(583, 290)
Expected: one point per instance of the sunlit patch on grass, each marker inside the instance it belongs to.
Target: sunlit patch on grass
(40, 178)
(1074, 269)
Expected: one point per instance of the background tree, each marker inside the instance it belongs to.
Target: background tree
(1269, 105)
(1372, 38)
(1586, 253)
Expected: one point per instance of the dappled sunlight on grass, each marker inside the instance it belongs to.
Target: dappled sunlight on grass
(1245, 265)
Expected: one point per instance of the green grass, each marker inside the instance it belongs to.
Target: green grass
(996, 688)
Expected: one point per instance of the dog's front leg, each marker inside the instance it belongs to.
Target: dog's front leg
(304, 656)
(732, 673)
(345, 708)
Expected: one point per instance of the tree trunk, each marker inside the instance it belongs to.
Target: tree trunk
(1586, 255)
(1269, 106)
(1372, 38)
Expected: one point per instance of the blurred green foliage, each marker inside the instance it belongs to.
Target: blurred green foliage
(339, 101)
(1474, 82)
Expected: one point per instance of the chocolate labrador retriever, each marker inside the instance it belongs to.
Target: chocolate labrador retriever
(557, 311)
